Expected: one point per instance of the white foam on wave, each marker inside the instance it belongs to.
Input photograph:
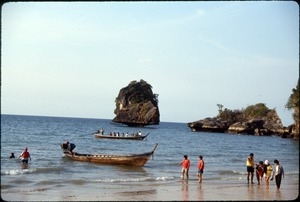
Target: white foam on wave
(12, 172)
(18, 171)
(144, 179)
(164, 178)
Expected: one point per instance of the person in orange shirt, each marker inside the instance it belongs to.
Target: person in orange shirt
(200, 168)
(185, 163)
(25, 155)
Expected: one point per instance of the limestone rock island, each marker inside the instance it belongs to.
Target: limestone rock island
(137, 105)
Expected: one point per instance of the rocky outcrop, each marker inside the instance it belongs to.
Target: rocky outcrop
(216, 125)
(137, 105)
(254, 120)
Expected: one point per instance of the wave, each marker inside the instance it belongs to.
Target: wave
(49, 170)
(77, 182)
(16, 171)
(50, 182)
(32, 170)
(229, 172)
(6, 186)
(143, 179)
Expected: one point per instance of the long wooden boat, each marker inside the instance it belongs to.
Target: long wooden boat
(129, 160)
(107, 136)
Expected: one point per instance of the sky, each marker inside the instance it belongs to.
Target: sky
(70, 59)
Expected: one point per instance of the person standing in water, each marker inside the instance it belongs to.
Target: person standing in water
(267, 173)
(200, 168)
(25, 155)
(185, 163)
(250, 167)
(259, 172)
(278, 173)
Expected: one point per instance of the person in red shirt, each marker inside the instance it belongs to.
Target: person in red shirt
(185, 163)
(25, 155)
(200, 168)
(259, 171)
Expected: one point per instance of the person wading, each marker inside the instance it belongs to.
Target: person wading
(25, 155)
(250, 167)
(185, 163)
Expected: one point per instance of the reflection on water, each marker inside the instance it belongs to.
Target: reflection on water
(200, 192)
(250, 193)
(184, 190)
(24, 165)
(266, 193)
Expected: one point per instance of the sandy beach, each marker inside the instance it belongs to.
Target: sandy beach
(179, 191)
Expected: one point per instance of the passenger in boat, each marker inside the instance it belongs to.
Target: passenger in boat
(25, 155)
(64, 146)
(101, 131)
(12, 156)
(185, 163)
(126, 135)
(69, 146)
(140, 133)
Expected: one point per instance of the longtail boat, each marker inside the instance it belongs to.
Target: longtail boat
(107, 136)
(129, 160)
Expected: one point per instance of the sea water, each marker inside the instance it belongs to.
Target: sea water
(49, 171)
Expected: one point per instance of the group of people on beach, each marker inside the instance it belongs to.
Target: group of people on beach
(265, 171)
(185, 166)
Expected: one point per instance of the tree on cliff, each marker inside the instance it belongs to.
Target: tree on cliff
(293, 104)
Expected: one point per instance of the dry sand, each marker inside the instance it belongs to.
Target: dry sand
(179, 191)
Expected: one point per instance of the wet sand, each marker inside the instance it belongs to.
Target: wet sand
(178, 191)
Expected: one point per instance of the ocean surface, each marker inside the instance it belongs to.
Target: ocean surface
(49, 170)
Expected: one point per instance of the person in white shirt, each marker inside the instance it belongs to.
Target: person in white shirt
(278, 173)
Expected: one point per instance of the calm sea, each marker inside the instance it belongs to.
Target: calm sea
(49, 170)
